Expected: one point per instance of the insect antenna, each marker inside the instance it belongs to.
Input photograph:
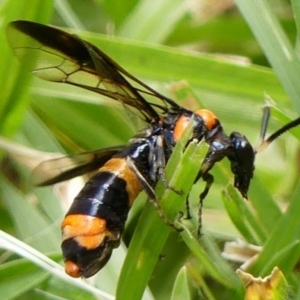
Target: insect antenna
(264, 143)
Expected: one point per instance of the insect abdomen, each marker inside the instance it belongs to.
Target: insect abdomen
(94, 223)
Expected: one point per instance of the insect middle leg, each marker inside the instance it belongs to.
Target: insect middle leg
(208, 179)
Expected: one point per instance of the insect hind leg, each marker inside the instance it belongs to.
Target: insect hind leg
(160, 163)
(162, 177)
(150, 193)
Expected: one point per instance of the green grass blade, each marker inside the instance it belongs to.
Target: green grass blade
(117, 10)
(275, 44)
(242, 217)
(68, 15)
(214, 266)
(152, 27)
(285, 234)
(296, 11)
(12, 244)
(14, 87)
(29, 222)
(181, 287)
(21, 274)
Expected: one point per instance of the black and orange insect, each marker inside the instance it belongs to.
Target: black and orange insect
(94, 224)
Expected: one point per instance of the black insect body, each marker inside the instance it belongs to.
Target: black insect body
(94, 224)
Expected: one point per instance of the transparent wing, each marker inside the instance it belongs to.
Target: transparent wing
(55, 55)
(63, 168)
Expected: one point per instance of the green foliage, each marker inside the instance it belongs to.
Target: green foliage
(57, 118)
